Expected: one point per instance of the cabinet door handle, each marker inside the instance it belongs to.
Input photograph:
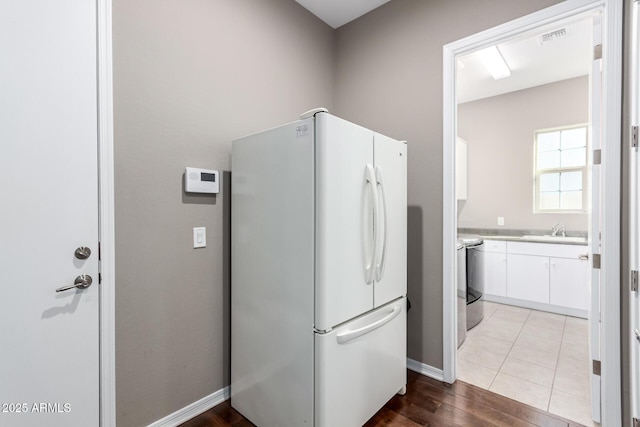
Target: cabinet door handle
(583, 257)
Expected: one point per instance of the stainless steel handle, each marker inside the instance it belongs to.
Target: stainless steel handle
(83, 252)
(370, 267)
(583, 257)
(82, 282)
(383, 253)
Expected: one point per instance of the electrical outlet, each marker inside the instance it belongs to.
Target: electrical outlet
(500, 220)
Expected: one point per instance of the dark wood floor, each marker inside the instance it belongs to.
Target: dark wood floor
(427, 403)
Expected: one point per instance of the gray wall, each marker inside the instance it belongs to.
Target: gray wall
(190, 76)
(500, 132)
(389, 77)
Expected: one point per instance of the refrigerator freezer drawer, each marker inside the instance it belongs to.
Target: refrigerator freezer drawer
(360, 366)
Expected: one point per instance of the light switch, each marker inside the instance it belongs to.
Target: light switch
(500, 220)
(199, 237)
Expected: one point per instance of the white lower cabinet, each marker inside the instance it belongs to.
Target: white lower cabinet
(495, 273)
(537, 275)
(528, 277)
(569, 283)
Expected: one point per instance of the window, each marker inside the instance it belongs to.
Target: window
(561, 170)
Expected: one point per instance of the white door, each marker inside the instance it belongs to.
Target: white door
(345, 193)
(594, 218)
(390, 158)
(48, 184)
(634, 215)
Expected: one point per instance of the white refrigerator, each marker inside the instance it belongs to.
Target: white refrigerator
(318, 273)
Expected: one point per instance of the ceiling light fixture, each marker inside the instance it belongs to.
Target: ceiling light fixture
(494, 62)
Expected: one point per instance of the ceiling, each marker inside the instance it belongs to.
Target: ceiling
(339, 12)
(531, 63)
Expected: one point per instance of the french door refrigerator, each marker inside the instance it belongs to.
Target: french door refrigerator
(318, 273)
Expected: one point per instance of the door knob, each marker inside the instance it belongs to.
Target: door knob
(82, 282)
(83, 252)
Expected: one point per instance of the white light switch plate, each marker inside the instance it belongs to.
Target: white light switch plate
(199, 237)
(500, 220)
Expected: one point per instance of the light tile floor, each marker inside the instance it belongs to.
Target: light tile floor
(538, 358)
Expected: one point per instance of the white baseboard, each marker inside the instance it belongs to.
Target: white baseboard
(426, 370)
(567, 311)
(194, 409)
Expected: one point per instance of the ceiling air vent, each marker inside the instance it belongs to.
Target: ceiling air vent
(553, 36)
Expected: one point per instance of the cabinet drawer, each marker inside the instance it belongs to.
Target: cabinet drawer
(494, 246)
(546, 249)
(356, 373)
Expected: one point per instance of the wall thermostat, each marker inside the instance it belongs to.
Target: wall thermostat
(201, 181)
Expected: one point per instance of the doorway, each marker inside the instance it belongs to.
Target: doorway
(526, 169)
(606, 214)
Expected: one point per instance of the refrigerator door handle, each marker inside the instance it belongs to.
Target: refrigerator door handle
(371, 181)
(385, 224)
(350, 335)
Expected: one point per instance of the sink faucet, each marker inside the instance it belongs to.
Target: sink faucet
(558, 228)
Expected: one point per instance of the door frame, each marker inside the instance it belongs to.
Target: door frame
(106, 214)
(611, 184)
(634, 212)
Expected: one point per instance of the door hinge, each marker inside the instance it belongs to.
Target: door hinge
(99, 252)
(634, 280)
(597, 52)
(596, 367)
(597, 157)
(99, 278)
(596, 261)
(634, 136)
